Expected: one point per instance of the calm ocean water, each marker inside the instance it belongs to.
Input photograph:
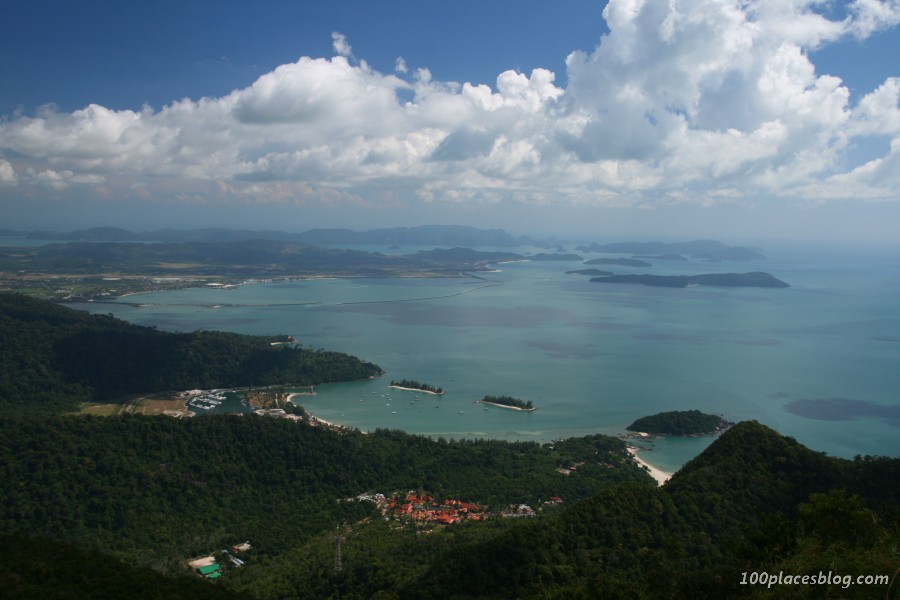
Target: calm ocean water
(819, 361)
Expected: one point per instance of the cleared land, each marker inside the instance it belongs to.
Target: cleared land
(159, 406)
(99, 410)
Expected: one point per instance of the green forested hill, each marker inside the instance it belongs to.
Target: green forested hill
(150, 484)
(154, 491)
(35, 569)
(735, 511)
(53, 357)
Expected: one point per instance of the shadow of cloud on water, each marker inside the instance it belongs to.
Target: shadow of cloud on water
(843, 409)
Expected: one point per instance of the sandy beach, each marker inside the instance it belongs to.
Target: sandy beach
(658, 474)
(314, 420)
(417, 390)
(506, 406)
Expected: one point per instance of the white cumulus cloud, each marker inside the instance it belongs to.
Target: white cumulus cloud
(7, 173)
(682, 99)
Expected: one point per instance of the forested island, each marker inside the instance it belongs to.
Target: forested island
(666, 256)
(594, 272)
(704, 249)
(680, 422)
(627, 262)
(544, 256)
(753, 279)
(508, 402)
(411, 384)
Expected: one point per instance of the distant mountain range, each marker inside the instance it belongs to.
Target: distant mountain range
(425, 235)
(246, 258)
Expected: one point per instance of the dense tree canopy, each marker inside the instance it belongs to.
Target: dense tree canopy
(678, 422)
(83, 496)
(53, 357)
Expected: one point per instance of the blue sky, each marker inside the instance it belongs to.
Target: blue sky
(640, 118)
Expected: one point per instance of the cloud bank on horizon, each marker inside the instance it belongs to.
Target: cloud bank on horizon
(702, 102)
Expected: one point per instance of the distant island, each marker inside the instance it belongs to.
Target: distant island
(666, 256)
(545, 256)
(594, 272)
(705, 249)
(754, 279)
(508, 402)
(680, 422)
(411, 384)
(628, 262)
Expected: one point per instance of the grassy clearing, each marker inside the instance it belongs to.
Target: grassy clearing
(98, 409)
(158, 406)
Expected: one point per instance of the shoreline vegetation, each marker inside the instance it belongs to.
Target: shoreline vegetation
(508, 402)
(416, 386)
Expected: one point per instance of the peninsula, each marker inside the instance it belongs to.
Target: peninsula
(416, 386)
(508, 402)
(753, 279)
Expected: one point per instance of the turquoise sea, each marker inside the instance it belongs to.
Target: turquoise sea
(819, 361)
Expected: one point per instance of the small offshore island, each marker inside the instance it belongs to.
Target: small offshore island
(680, 422)
(508, 402)
(416, 386)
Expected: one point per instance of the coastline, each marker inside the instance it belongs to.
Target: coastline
(290, 397)
(507, 406)
(315, 421)
(658, 474)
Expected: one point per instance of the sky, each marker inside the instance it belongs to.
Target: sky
(639, 119)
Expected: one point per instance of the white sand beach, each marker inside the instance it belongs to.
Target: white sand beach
(507, 406)
(658, 474)
(417, 390)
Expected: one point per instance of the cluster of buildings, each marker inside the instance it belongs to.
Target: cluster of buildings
(422, 508)
(210, 568)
